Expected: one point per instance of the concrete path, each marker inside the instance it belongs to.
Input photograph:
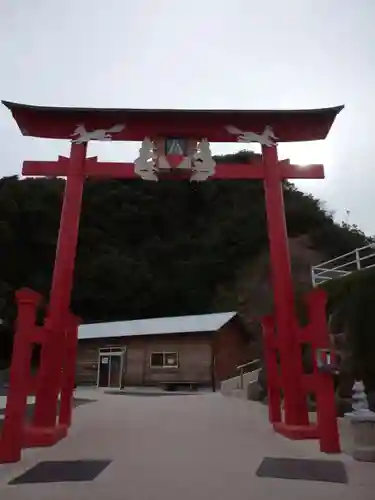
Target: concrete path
(197, 447)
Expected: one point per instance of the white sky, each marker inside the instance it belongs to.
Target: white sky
(201, 54)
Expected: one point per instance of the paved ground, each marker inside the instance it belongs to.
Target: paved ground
(197, 447)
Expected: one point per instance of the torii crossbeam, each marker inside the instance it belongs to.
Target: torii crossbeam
(119, 170)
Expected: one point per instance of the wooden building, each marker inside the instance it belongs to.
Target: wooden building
(200, 350)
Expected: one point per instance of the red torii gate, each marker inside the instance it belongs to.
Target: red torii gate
(183, 130)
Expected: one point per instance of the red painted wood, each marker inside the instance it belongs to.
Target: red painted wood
(285, 318)
(38, 335)
(69, 369)
(94, 168)
(38, 437)
(324, 384)
(62, 281)
(11, 441)
(60, 123)
(47, 168)
(297, 432)
(291, 171)
(309, 383)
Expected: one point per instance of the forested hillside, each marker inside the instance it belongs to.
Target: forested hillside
(148, 249)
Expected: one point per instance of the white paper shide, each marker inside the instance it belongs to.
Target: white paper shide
(150, 164)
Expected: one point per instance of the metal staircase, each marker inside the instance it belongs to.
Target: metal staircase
(356, 260)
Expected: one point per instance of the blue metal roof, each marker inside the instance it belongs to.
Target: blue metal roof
(155, 326)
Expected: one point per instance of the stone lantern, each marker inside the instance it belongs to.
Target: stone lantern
(362, 425)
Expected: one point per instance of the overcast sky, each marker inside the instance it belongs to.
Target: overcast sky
(241, 54)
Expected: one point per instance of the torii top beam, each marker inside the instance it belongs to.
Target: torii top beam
(136, 124)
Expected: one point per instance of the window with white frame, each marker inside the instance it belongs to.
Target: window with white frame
(164, 360)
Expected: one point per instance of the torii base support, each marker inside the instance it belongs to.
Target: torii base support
(35, 437)
(31, 437)
(17, 433)
(319, 382)
(296, 432)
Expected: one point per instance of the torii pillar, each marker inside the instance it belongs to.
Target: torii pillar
(295, 402)
(62, 282)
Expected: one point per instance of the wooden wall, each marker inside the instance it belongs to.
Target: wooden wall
(195, 360)
(230, 346)
(194, 351)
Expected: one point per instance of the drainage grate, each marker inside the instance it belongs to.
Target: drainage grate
(332, 471)
(62, 472)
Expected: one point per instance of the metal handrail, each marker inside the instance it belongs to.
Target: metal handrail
(321, 272)
(371, 245)
(242, 367)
